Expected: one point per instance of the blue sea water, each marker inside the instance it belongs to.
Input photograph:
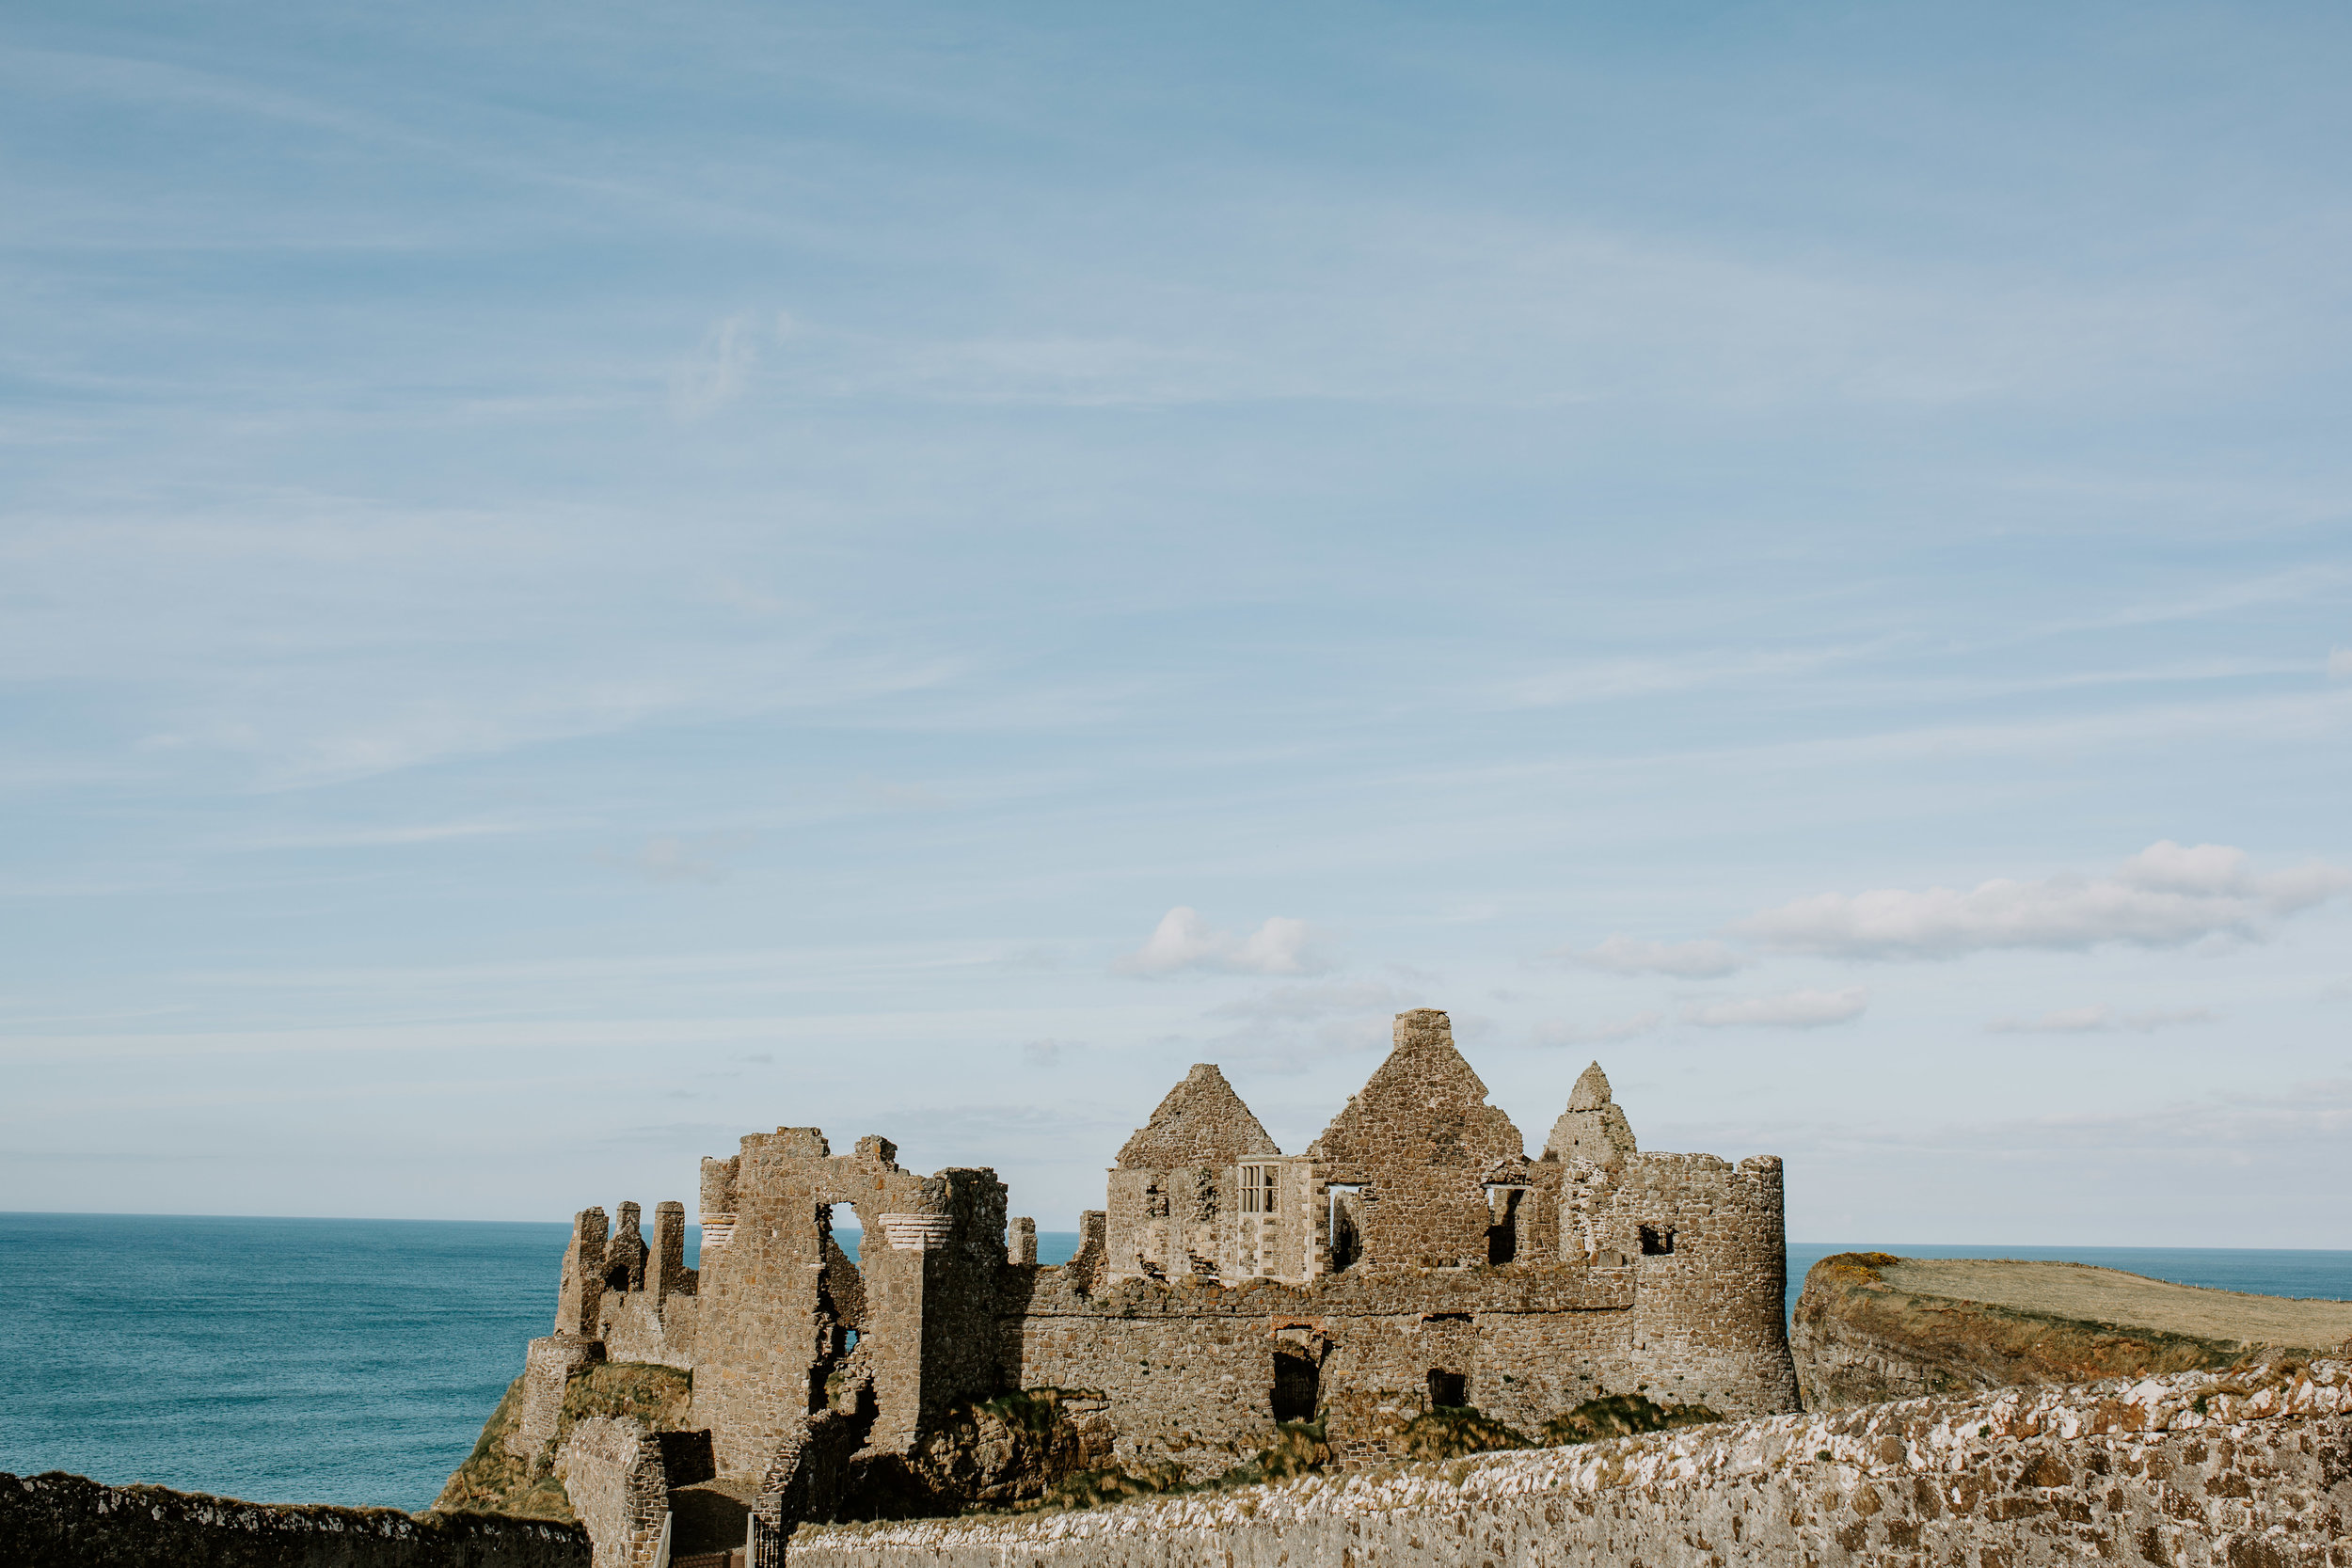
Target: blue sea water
(354, 1361)
(278, 1360)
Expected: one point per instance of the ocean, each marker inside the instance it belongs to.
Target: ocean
(354, 1361)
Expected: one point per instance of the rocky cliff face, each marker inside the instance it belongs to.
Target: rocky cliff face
(1872, 1327)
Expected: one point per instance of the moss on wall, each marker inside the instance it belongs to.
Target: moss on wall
(493, 1479)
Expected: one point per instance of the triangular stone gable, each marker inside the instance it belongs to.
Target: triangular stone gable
(1201, 1122)
(1424, 1106)
(1593, 1127)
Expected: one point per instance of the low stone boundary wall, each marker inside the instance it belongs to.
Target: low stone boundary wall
(66, 1521)
(2251, 1471)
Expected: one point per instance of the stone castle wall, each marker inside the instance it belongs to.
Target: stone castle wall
(1413, 1256)
(63, 1521)
(1708, 1323)
(2191, 1471)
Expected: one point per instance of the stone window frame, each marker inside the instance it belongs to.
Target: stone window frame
(1259, 1184)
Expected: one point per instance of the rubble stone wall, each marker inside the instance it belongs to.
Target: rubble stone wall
(65, 1521)
(1188, 1370)
(1420, 1132)
(1708, 1323)
(548, 1364)
(617, 1490)
(2197, 1470)
(763, 1345)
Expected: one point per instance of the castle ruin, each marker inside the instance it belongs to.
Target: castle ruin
(1413, 1256)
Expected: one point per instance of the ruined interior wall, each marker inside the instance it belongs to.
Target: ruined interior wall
(2171, 1472)
(1530, 1367)
(637, 1327)
(548, 1365)
(759, 1334)
(1197, 1389)
(1708, 1323)
(616, 1487)
(1188, 1370)
(1134, 1234)
(960, 1314)
(1275, 1242)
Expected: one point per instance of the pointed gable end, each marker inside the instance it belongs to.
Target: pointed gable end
(1593, 1127)
(1201, 1122)
(1424, 1106)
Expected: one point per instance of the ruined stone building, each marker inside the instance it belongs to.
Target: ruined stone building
(1414, 1255)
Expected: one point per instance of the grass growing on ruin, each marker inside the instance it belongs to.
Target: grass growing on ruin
(1621, 1416)
(1298, 1447)
(1437, 1434)
(1451, 1432)
(492, 1481)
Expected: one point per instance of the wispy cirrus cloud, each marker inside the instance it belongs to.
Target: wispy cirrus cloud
(1685, 961)
(2165, 896)
(1796, 1009)
(1301, 1003)
(1600, 1031)
(2100, 1019)
(1185, 940)
(1612, 679)
(718, 371)
(678, 858)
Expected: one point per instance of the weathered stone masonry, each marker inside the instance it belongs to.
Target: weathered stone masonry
(1413, 1256)
(2194, 1470)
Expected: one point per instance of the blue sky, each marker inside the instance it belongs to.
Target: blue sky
(576, 582)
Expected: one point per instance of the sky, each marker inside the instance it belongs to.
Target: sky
(576, 582)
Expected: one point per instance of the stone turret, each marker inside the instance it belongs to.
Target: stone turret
(624, 1255)
(1593, 1127)
(579, 1292)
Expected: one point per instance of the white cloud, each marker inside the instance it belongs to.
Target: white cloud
(1796, 1009)
(718, 373)
(897, 797)
(1600, 1032)
(1297, 1004)
(1185, 941)
(667, 858)
(2340, 664)
(1608, 680)
(2100, 1021)
(2163, 896)
(1047, 1053)
(1687, 961)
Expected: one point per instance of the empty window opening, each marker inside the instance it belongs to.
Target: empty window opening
(840, 1299)
(1347, 1229)
(1257, 1189)
(1297, 1386)
(1448, 1390)
(1503, 1236)
(617, 1279)
(1657, 1240)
